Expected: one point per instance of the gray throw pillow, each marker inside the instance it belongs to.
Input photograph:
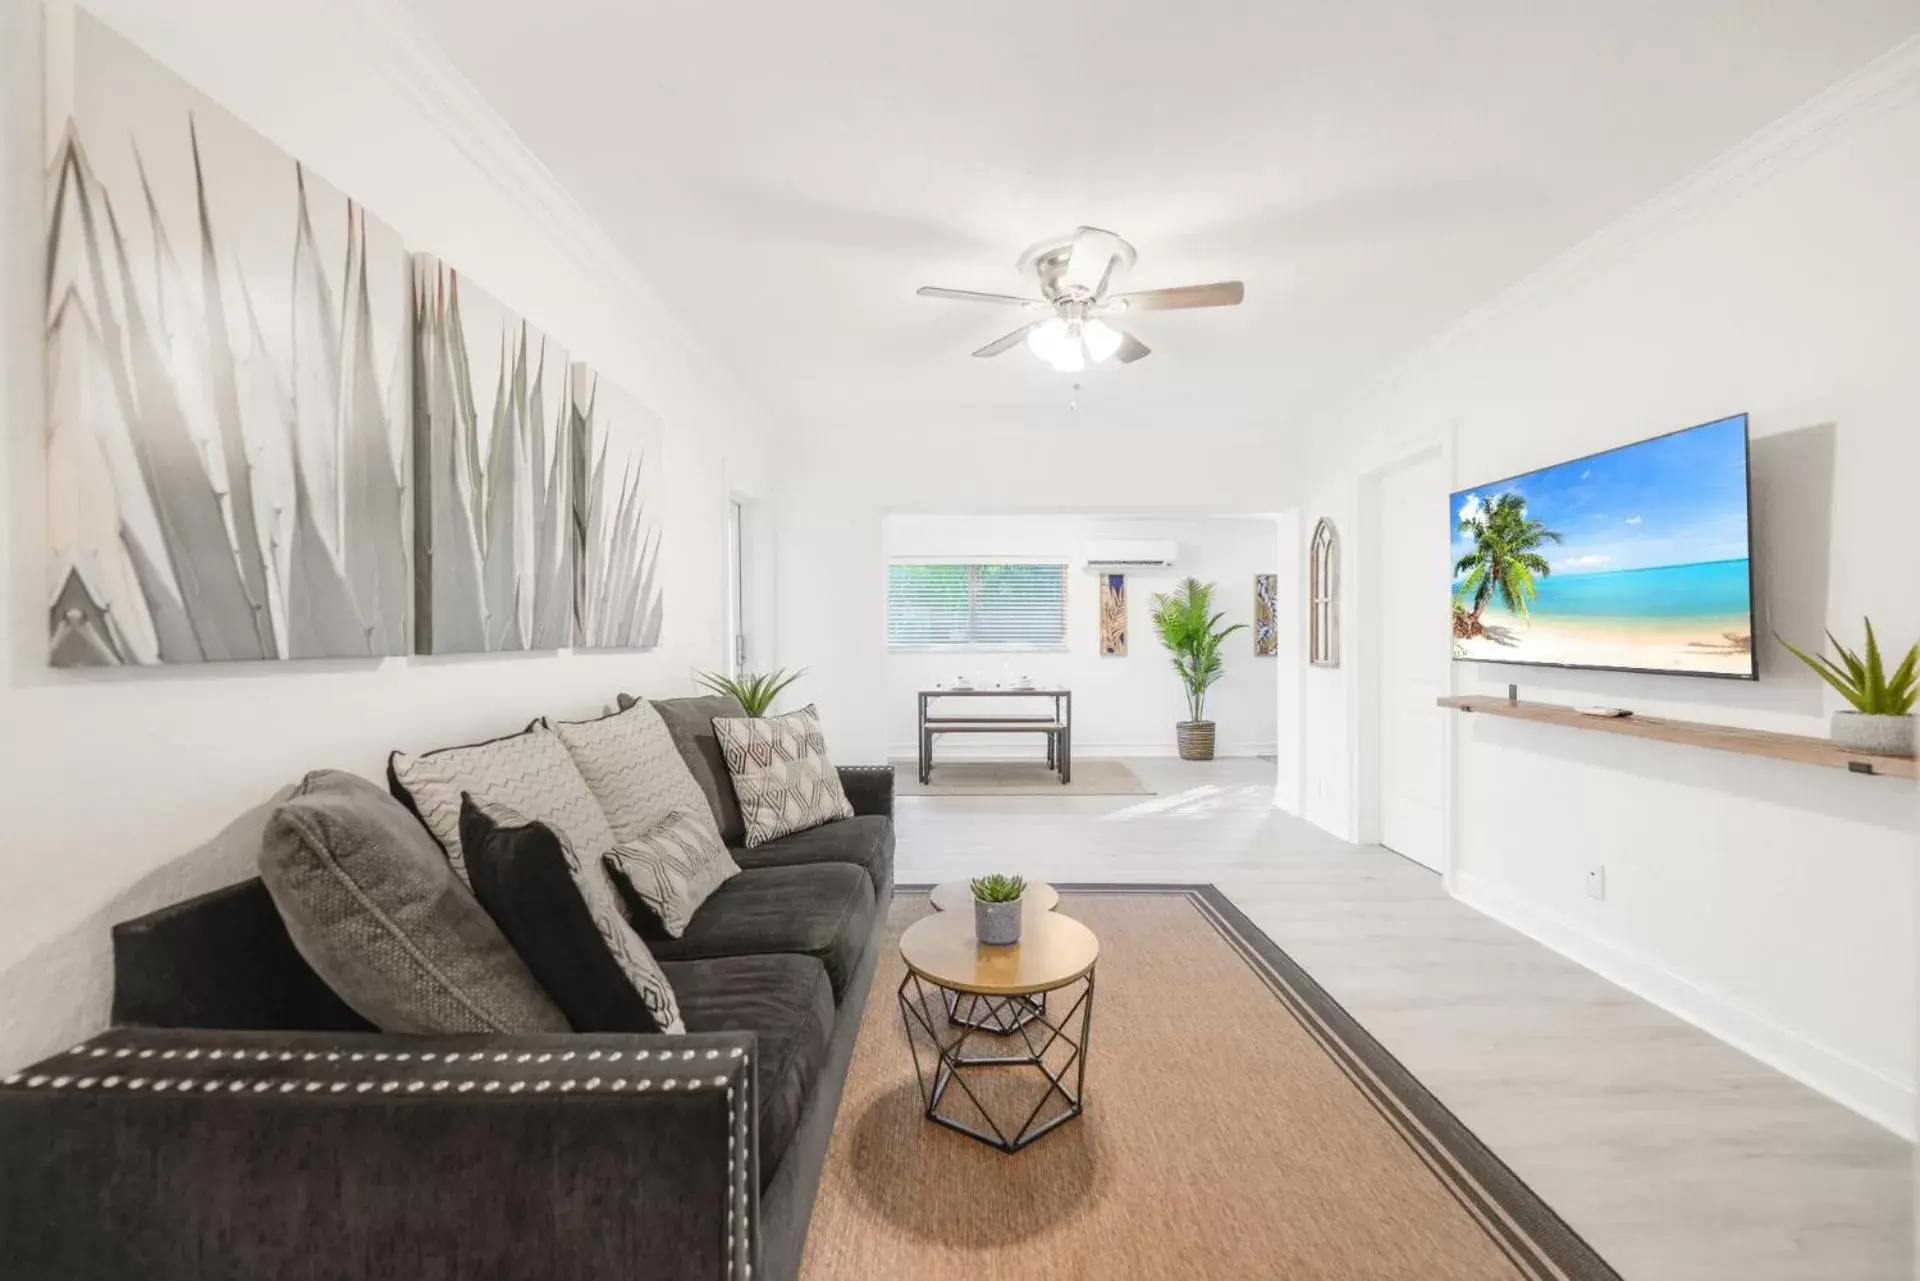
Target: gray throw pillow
(690, 722)
(373, 906)
(674, 866)
(669, 848)
(531, 772)
(781, 773)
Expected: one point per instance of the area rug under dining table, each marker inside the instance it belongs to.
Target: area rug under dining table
(1239, 1123)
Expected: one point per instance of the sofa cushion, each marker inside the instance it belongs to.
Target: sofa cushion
(787, 1002)
(822, 910)
(690, 722)
(865, 840)
(530, 773)
(372, 904)
(562, 915)
(781, 775)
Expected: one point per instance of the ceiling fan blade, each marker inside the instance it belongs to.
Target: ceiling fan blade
(1008, 342)
(1090, 261)
(1131, 349)
(1222, 293)
(969, 295)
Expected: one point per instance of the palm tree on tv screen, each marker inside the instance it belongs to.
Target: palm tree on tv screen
(1504, 562)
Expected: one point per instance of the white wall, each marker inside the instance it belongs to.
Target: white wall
(837, 486)
(107, 778)
(1773, 903)
(1122, 706)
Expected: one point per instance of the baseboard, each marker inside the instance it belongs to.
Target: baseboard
(1881, 1099)
(986, 751)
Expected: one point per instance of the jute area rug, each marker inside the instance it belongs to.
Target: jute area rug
(1018, 778)
(1238, 1124)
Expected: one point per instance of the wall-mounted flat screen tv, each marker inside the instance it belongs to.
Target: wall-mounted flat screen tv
(1636, 559)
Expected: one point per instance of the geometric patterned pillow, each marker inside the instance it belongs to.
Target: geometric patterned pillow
(674, 865)
(781, 773)
(561, 914)
(531, 772)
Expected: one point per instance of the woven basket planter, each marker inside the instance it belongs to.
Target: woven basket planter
(1195, 739)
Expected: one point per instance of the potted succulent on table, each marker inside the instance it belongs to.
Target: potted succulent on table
(1191, 631)
(997, 908)
(754, 693)
(1882, 720)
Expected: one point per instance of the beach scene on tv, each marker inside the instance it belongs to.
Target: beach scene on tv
(1635, 558)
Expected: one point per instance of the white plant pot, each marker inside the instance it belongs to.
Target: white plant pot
(1883, 735)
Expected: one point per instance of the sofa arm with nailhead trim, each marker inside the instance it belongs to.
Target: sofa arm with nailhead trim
(188, 1154)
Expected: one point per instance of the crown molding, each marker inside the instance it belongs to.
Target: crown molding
(395, 46)
(1883, 85)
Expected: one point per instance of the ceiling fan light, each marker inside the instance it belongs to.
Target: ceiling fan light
(1069, 357)
(1101, 338)
(1046, 338)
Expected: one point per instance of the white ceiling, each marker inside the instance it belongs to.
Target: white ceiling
(789, 173)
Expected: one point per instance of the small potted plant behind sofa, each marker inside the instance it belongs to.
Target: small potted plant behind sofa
(997, 908)
(754, 693)
(1191, 631)
(1882, 720)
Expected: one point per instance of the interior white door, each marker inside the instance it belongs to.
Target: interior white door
(1412, 545)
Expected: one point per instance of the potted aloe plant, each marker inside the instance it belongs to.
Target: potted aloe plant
(997, 908)
(754, 693)
(1882, 720)
(1191, 632)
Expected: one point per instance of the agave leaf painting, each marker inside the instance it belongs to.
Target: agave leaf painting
(226, 347)
(616, 448)
(493, 563)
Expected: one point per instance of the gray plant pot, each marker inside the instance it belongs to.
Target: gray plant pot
(1884, 735)
(997, 924)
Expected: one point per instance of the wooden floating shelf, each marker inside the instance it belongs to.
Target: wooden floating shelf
(1725, 738)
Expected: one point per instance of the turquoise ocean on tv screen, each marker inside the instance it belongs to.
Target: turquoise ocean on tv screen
(1713, 589)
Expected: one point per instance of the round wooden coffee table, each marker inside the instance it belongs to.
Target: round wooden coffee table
(1003, 1014)
(942, 956)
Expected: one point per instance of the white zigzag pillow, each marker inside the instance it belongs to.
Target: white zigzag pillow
(781, 773)
(529, 772)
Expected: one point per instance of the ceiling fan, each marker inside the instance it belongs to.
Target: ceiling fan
(1074, 274)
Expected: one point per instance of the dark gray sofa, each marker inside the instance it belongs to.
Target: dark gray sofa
(240, 1121)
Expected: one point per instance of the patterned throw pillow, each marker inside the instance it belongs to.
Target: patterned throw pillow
(669, 850)
(781, 773)
(529, 772)
(673, 866)
(633, 769)
(561, 915)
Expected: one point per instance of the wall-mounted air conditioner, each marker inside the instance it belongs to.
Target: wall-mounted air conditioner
(1122, 554)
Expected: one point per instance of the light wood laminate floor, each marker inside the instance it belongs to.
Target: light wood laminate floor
(1678, 1157)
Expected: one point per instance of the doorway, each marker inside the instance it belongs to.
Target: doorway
(1410, 539)
(736, 589)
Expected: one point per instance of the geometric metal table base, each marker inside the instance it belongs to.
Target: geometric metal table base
(1001, 1015)
(1053, 1053)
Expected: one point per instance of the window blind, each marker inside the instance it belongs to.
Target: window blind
(976, 606)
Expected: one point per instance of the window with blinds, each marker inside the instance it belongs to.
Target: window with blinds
(987, 606)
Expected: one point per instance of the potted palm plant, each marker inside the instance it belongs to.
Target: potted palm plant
(1191, 631)
(1882, 719)
(754, 693)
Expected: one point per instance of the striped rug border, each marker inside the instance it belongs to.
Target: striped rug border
(1541, 1245)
